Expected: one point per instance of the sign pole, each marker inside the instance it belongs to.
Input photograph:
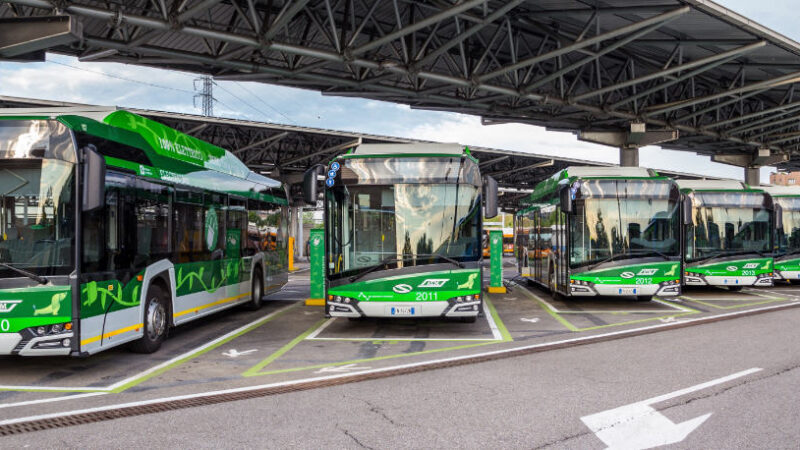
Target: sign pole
(317, 258)
(496, 262)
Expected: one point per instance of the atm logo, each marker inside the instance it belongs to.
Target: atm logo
(627, 274)
(647, 272)
(6, 306)
(433, 283)
(750, 266)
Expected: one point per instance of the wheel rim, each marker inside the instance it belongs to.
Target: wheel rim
(156, 319)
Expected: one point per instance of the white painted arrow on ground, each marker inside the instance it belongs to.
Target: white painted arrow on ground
(340, 369)
(639, 426)
(233, 353)
(534, 320)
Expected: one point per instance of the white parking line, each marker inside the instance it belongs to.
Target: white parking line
(144, 373)
(496, 336)
(611, 311)
(575, 340)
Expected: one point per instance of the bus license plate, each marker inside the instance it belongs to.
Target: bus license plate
(402, 310)
(627, 291)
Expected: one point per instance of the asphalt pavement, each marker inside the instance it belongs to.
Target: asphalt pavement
(544, 400)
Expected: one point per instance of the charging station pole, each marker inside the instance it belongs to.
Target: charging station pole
(317, 272)
(496, 262)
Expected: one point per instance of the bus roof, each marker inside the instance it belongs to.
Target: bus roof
(417, 149)
(609, 172)
(782, 191)
(547, 188)
(713, 185)
(174, 155)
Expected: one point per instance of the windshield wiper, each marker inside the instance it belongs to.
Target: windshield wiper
(403, 259)
(629, 254)
(650, 252)
(31, 275)
(790, 253)
(376, 267)
(446, 258)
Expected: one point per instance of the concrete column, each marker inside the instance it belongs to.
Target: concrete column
(301, 240)
(629, 157)
(752, 176)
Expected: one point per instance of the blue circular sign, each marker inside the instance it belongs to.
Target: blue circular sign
(335, 166)
(329, 182)
(331, 174)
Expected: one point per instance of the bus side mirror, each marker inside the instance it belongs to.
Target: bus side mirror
(686, 209)
(490, 194)
(310, 184)
(94, 179)
(565, 195)
(778, 217)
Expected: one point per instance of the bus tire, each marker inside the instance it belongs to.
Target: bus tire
(551, 283)
(155, 322)
(644, 298)
(256, 291)
(735, 288)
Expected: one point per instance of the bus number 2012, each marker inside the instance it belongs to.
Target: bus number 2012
(5, 325)
(427, 296)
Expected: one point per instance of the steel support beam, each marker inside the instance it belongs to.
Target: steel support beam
(637, 136)
(330, 149)
(416, 26)
(790, 78)
(547, 163)
(268, 140)
(719, 57)
(27, 38)
(585, 43)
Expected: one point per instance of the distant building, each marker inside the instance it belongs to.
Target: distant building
(785, 179)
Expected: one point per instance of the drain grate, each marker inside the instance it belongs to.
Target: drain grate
(111, 413)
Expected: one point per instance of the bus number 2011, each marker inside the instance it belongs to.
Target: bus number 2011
(5, 325)
(427, 296)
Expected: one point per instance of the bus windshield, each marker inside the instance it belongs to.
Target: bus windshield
(37, 215)
(727, 224)
(403, 225)
(789, 230)
(620, 219)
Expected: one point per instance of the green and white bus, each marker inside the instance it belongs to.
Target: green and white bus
(786, 200)
(728, 234)
(602, 231)
(403, 231)
(114, 228)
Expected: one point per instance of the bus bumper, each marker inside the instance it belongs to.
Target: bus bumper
(27, 344)
(787, 275)
(696, 279)
(616, 290)
(404, 309)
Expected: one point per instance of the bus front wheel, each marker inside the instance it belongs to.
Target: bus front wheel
(256, 291)
(155, 322)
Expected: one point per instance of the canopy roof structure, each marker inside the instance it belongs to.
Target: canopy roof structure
(707, 79)
(284, 152)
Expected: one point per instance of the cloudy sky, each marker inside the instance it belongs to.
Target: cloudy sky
(64, 78)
